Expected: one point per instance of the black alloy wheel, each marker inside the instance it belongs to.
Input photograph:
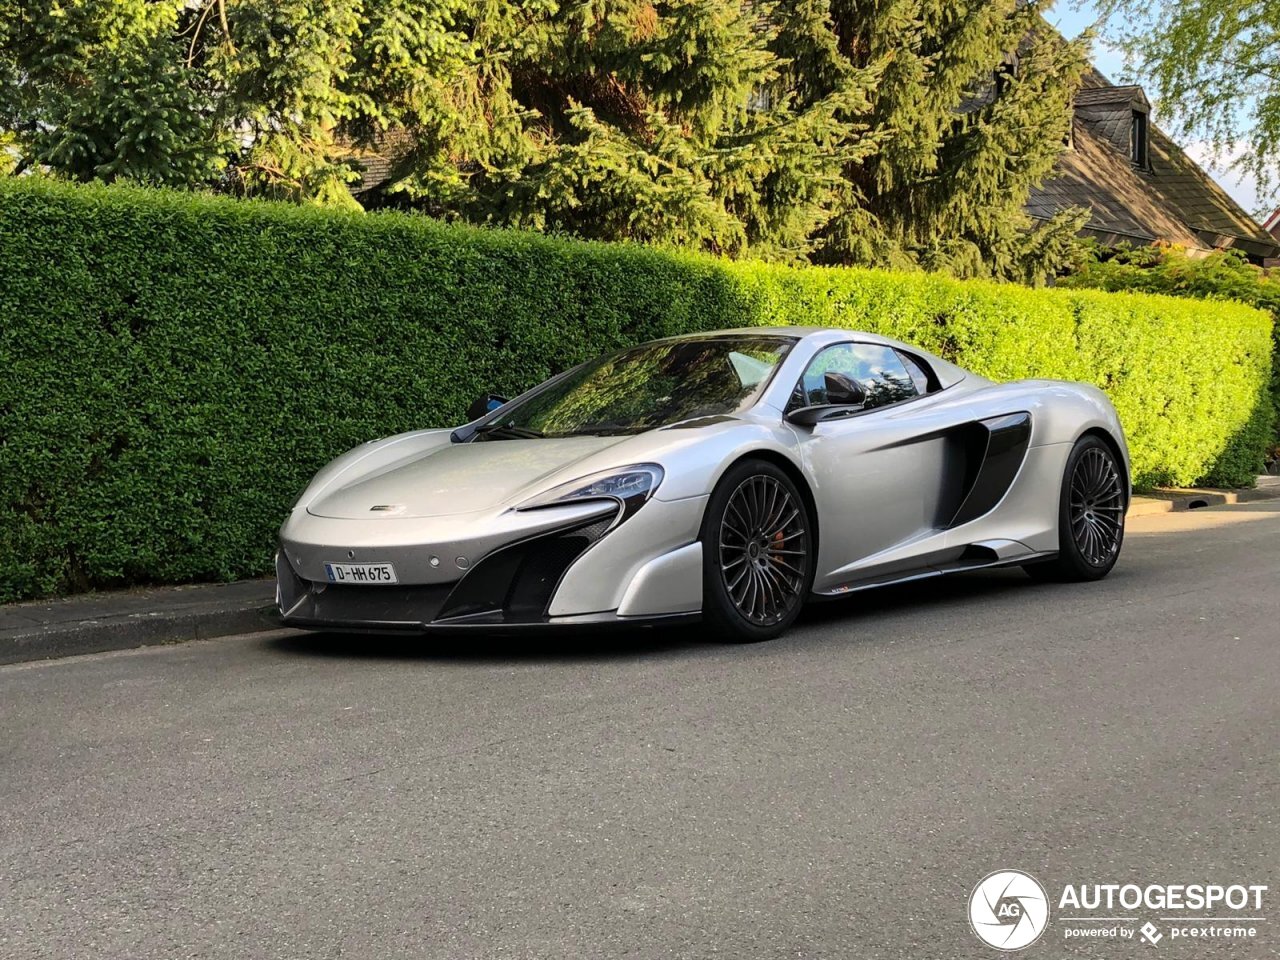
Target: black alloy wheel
(1096, 506)
(1091, 513)
(757, 553)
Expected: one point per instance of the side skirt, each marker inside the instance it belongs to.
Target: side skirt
(924, 573)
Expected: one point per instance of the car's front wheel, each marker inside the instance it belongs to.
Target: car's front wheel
(757, 553)
(1091, 510)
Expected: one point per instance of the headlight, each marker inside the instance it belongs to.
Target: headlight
(629, 486)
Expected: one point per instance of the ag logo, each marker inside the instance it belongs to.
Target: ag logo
(1008, 910)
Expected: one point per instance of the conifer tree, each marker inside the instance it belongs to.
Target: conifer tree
(972, 109)
(644, 121)
(99, 89)
(836, 131)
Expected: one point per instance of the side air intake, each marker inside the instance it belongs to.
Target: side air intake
(1007, 439)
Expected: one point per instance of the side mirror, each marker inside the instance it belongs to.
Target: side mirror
(845, 397)
(842, 389)
(485, 403)
(810, 416)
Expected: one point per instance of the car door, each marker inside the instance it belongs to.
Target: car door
(876, 472)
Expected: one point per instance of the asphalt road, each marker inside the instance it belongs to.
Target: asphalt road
(837, 793)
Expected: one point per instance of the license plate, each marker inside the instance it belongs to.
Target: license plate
(360, 573)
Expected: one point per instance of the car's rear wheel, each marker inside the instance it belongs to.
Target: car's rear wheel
(757, 553)
(1090, 515)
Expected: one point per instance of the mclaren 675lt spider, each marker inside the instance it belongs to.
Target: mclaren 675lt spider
(727, 476)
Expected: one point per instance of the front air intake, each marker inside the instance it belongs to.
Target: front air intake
(515, 584)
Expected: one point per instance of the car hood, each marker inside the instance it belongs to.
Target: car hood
(451, 478)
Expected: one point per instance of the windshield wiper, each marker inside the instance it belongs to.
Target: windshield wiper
(505, 431)
(602, 430)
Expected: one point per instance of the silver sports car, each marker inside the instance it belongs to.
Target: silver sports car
(726, 476)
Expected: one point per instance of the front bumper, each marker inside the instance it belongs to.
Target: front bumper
(416, 609)
(512, 585)
(579, 573)
(407, 612)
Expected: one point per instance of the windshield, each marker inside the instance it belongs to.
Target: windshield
(650, 386)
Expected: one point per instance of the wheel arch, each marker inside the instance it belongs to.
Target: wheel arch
(796, 475)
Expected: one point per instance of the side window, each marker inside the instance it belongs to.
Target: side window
(919, 375)
(878, 371)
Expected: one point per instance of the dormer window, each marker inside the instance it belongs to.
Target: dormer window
(1138, 139)
(1120, 116)
(1007, 72)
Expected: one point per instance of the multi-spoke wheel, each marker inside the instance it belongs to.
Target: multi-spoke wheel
(1090, 515)
(1096, 506)
(756, 542)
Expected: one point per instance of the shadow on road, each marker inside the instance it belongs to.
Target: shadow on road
(580, 644)
(548, 644)
(903, 598)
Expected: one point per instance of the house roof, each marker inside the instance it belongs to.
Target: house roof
(1097, 96)
(1173, 200)
(1121, 204)
(381, 164)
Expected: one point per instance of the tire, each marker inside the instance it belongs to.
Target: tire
(1091, 510)
(757, 554)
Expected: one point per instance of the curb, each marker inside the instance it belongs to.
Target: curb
(1177, 501)
(80, 625)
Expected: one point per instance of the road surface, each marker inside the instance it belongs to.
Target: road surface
(837, 793)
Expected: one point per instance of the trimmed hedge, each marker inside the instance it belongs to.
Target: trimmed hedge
(176, 366)
(1221, 275)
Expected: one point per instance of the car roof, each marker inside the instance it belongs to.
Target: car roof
(790, 333)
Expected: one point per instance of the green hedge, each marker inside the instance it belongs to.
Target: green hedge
(176, 366)
(1221, 275)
